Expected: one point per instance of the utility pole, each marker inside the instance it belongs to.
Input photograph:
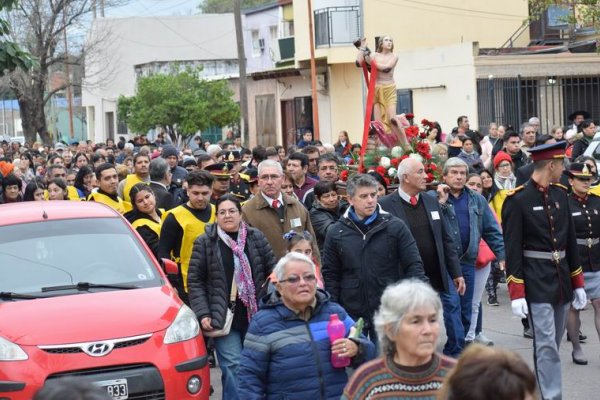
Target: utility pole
(313, 74)
(68, 76)
(239, 37)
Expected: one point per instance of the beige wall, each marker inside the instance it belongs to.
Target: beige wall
(443, 83)
(347, 106)
(412, 25)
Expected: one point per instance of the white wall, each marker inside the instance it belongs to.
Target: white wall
(443, 83)
(116, 45)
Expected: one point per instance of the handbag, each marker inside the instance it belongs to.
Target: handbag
(224, 331)
(485, 255)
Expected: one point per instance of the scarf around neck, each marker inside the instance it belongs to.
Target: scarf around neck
(242, 273)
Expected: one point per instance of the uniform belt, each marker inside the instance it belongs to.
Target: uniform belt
(545, 255)
(589, 242)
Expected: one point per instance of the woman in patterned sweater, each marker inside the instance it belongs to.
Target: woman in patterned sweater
(408, 325)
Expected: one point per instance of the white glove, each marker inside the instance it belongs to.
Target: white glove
(519, 308)
(579, 299)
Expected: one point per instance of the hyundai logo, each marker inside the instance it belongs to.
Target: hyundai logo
(98, 349)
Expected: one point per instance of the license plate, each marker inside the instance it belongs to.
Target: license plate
(117, 389)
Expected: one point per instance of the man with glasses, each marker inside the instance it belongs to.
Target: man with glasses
(273, 212)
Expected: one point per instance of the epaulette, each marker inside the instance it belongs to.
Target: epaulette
(559, 185)
(515, 190)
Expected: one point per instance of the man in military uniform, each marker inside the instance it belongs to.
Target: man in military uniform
(221, 173)
(237, 186)
(542, 261)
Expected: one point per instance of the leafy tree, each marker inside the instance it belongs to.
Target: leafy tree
(11, 54)
(226, 6)
(39, 27)
(180, 100)
(583, 12)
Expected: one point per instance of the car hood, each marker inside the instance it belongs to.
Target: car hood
(88, 316)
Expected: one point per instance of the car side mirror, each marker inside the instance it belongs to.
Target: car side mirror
(169, 266)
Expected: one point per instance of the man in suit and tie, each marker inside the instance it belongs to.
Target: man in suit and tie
(421, 212)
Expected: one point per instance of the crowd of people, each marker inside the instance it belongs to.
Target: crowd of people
(271, 242)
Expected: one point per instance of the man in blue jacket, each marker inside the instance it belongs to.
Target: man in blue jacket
(470, 219)
(365, 251)
(421, 212)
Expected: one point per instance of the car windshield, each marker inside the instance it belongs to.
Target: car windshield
(100, 251)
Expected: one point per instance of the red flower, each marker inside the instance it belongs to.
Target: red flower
(430, 177)
(395, 162)
(404, 157)
(422, 148)
(380, 170)
(424, 122)
(423, 135)
(433, 167)
(427, 156)
(386, 180)
(344, 175)
(410, 116)
(411, 132)
(351, 162)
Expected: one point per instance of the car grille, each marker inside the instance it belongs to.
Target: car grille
(79, 347)
(99, 370)
(152, 394)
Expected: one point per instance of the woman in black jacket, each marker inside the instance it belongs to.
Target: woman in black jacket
(145, 217)
(229, 252)
(325, 210)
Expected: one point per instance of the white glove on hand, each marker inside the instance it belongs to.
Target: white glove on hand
(519, 308)
(580, 299)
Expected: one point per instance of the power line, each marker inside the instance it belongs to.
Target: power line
(490, 13)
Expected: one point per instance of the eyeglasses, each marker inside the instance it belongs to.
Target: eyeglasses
(295, 279)
(232, 211)
(504, 165)
(271, 177)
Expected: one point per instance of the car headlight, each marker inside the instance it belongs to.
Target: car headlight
(184, 327)
(10, 351)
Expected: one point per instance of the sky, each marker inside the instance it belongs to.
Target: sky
(154, 7)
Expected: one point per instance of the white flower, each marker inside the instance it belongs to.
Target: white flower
(392, 172)
(384, 162)
(397, 151)
(416, 156)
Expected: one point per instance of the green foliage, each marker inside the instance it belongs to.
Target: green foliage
(180, 99)
(583, 12)
(11, 54)
(226, 6)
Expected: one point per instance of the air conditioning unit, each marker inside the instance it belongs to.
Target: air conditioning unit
(261, 44)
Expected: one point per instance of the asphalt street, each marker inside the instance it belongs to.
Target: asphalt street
(580, 382)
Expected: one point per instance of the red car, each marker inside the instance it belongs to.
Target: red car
(81, 295)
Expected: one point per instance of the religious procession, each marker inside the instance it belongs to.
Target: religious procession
(382, 261)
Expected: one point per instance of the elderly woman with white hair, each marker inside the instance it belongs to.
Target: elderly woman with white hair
(408, 324)
(287, 350)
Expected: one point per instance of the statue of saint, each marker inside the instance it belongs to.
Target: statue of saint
(390, 128)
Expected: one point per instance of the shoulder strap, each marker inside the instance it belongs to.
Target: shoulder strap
(233, 294)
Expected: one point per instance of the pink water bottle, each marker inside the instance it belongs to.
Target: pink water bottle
(337, 330)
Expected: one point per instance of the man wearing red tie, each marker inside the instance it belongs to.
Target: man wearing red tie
(273, 212)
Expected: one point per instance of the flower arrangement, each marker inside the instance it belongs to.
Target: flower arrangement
(386, 162)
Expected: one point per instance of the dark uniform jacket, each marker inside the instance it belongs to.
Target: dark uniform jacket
(358, 266)
(446, 254)
(586, 217)
(539, 219)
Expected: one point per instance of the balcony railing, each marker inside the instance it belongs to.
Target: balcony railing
(337, 26)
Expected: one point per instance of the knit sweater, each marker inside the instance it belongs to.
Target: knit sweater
(383, 379)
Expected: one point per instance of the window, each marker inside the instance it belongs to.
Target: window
(255, 44)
